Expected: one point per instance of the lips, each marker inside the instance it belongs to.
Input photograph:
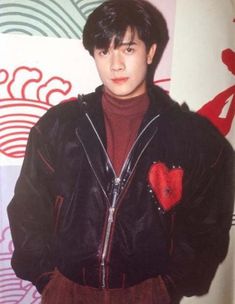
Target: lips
(119, 80)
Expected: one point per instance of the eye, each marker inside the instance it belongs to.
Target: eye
(103, 52)
(129, 50)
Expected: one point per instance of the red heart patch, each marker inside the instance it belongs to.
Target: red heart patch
(166, 184)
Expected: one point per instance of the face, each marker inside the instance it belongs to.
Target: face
(123, 69)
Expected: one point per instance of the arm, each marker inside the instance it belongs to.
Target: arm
(202, 223)
(31, 213)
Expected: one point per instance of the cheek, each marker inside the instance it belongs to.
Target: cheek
(101, 69)
(140, 69)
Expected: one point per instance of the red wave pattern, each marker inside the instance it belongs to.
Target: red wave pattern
(24, 98)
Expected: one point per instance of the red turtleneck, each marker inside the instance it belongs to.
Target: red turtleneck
(122, 121)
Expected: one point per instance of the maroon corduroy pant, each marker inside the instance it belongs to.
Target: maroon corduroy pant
(60, 290)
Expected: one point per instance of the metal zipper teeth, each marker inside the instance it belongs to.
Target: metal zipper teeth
(114, 209)
(111, 209)
(117, 181)
(108, 231)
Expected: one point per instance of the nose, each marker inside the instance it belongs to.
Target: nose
(117, 62)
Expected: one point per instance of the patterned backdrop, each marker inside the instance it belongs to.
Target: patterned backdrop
(42, 62)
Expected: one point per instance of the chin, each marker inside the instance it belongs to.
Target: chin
(122, 95)
(118, 93)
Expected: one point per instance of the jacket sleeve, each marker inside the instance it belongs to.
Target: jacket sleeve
(202, 223)
(31, 213)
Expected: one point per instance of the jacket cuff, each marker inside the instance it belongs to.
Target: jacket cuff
(171, 288)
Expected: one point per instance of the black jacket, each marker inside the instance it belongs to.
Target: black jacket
(168, 213)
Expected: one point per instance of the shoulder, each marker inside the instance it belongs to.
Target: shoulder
(192, 133)
(67, 113)
(64, 110)
(206, 142)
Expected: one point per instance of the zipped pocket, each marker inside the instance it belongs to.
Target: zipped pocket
(57, 208)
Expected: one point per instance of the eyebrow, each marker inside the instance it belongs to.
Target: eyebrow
(128, 43)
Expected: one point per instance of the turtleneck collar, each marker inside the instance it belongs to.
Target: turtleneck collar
(125, 107)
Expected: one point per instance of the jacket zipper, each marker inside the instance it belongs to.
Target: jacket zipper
(117, 183)
(108, 229)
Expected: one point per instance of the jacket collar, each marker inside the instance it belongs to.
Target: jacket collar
(160, 103)
(92, 135)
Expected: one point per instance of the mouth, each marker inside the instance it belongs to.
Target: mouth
(119, 80)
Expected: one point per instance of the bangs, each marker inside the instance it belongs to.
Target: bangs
(102, 40)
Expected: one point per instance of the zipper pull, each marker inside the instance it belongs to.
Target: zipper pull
(116, 183)
(111, 211)
(115, 190)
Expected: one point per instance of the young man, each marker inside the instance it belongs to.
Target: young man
(123, 197)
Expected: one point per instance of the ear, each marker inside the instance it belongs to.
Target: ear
(151, 53)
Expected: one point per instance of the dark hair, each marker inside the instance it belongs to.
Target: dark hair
(113, 17)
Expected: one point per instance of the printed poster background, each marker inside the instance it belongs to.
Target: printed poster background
(42, 62)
